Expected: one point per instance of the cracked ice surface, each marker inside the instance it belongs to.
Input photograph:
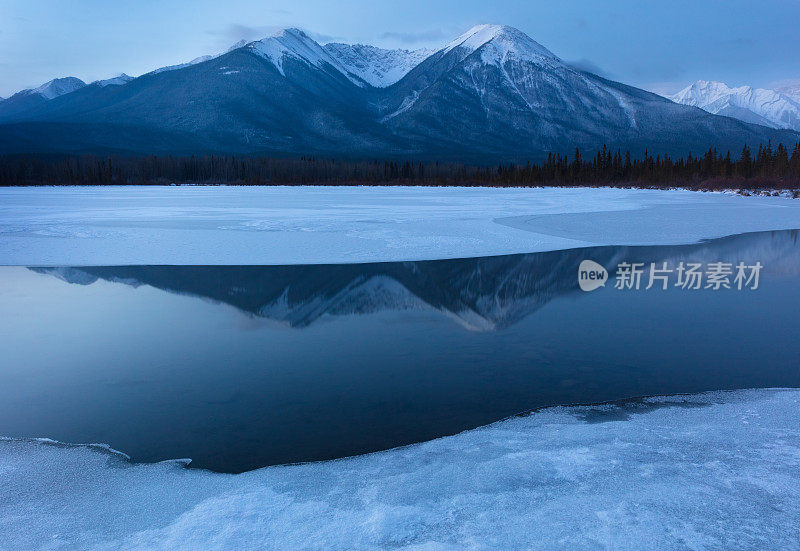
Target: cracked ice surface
(307, 225)
(710, 471)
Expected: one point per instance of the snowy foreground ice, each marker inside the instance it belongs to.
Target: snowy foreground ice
(712, 471)
(304, 225)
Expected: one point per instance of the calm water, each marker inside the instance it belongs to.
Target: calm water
(239, 367)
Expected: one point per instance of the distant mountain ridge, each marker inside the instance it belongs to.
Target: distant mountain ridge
(25, 100)
(791, 90)
(378, 67)
(773, 108)
(492, 93)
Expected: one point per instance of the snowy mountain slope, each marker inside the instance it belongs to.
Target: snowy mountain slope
(493, 93)
(52, 89)
(283, 93)
(118, 80)
(495, 89)
(754, 105)
(285, 43)
(503, 42)
(297, 45)
(57, 87)
(195, 61)
(60, 86)
(791, 90)
(32, 97)
(376, 66)
(199, 59)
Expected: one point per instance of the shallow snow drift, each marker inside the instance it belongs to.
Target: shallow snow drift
(307, 225)
(717, 470)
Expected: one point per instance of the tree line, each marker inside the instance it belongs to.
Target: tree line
(768, 167)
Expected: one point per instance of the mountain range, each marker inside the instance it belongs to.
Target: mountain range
(773, 108)
(492, 93)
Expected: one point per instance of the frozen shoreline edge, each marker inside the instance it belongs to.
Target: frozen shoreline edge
(560, 408)
(571, 478)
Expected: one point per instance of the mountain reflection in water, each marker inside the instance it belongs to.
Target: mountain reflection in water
(480, 293)
(319, 362)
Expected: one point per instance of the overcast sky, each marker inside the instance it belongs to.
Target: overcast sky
(658, 45)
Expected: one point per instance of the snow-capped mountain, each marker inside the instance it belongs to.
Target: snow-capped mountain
(297, 45)
(60, 86)
(376, 66)
(492, 93)
(195, 61)
(501, 43)
(498, 89)
(285, 43)
(30, 98)
(790, 90)
(118, 80)
(199, 59)
(56, 87)
(755, 105)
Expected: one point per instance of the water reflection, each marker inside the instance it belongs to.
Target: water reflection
(296, 363)
(479, 293)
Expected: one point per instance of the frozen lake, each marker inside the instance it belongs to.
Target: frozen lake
(686, 472)
(244, 327)
(307, 225)
(238, 367)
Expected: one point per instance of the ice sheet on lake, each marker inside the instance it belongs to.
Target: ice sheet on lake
(713, 471)
(303, 225)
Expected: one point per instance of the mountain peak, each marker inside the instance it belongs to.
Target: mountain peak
(58, 87)
(293, 43)
(288, 36)
(238, 44)
(501, 42)
(117, 80)
(479, 35)
(289, 31)
(756, 105)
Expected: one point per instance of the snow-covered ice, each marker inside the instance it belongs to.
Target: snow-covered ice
(296, 225)
(712, 471)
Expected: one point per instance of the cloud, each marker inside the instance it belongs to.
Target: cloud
(786, 83)
(236, 32)
(415, 37)
(665, 88)
(322, 38)
(589, 66)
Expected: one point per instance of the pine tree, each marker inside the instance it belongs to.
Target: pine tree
(745, 168)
